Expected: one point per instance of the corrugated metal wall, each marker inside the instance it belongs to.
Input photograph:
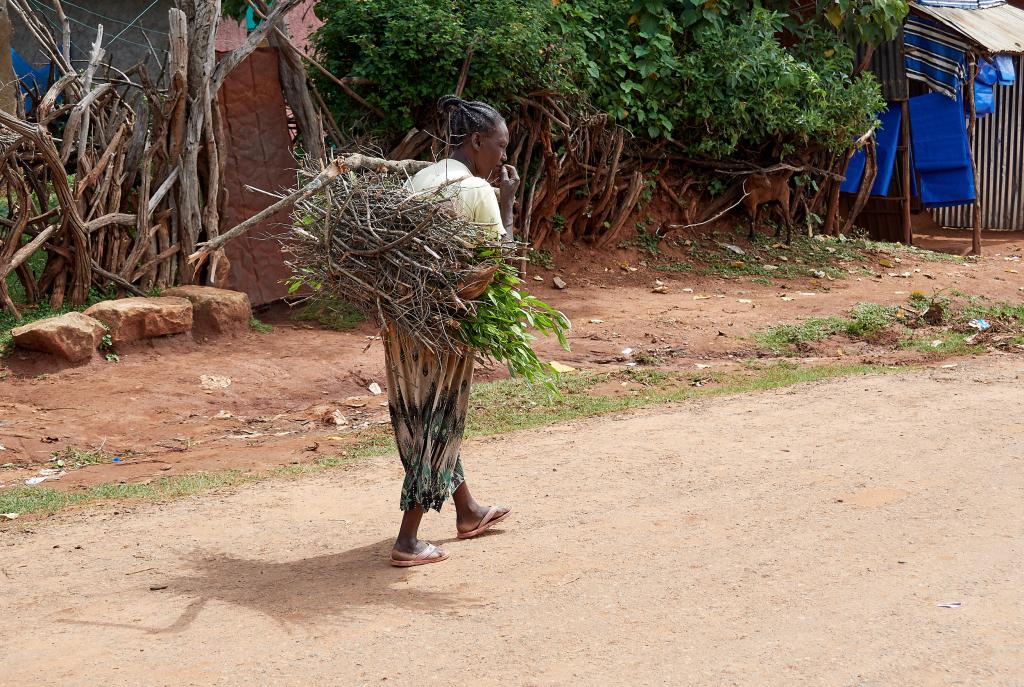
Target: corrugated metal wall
(999, 152)
(887, 64)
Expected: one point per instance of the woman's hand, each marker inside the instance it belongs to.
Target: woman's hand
(508, 184)
(508, 181)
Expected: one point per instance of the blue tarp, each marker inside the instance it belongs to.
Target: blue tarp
(1004, 65)
(984, 83)
(30, 77)
(886, 140)
(940, 149)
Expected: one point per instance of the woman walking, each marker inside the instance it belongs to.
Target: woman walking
(428, 392)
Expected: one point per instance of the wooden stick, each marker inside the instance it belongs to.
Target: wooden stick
(864, 190)
(908, 237)
(338, 166)
(123, 283)
(65, 27)
(342, 83)
(252, 41)
(972, 124)
(27, 250)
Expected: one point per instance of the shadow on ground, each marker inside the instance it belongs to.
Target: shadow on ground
(300, 592)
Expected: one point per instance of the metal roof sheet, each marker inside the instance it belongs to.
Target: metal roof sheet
(996, 29)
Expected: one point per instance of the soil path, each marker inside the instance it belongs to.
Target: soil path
(805, 536)
(150, 406)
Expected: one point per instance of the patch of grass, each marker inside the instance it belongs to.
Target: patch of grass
(74, 457)
(682, 267)
(496, 408)
(331, 312)
(1008, 313)
(510, 406)
(903, 250)
(26, 500)
(645, 358)
(782, 338)
(950, 344)
(865, 320)
(260, 327)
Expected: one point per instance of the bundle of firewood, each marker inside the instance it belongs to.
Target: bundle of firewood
(405, 259)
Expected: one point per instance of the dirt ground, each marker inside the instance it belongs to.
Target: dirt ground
(806, 536)
(150, 408)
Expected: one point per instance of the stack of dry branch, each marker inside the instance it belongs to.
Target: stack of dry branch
(117, 175)
(409, 260)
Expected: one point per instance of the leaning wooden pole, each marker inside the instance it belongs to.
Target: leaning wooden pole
(908, 234)
(972, 125)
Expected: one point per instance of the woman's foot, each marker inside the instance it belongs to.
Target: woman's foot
(417, 552)
(477, 519)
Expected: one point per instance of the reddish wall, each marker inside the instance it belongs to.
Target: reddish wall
(259, 155)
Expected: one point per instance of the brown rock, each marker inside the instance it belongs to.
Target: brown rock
(216, 311)
(73, 336)
(133, 319)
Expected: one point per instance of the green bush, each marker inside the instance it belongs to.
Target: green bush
(413, 52)
(720, 77)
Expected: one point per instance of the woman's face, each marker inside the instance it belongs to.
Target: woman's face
(488, 150)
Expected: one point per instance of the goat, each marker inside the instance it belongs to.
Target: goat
(762, 189)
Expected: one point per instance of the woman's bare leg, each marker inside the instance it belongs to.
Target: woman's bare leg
(407, 545)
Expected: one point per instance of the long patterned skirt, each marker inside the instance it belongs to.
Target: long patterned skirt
(428, 397)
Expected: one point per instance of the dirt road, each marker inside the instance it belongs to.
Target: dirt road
(799, 537)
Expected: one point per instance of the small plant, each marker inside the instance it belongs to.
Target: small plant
(716, 187)
(648, 359)
(332, 312)
(558, 222)
(645, 240)
(72, 457)
(260, 327)
(112, 358)
(541, 258)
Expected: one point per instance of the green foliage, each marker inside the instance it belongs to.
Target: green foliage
(541, 258)
(499, 328)
(260, 327)
(719, 81)
(864, 21)
(234, 9)
(413, 51)
(711, 74)
(645, 240)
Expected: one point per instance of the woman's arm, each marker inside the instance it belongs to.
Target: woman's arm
(508, 185)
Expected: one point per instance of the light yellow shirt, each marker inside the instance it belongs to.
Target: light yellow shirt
(475, 199)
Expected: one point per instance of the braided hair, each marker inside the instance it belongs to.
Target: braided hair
(463, 118)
